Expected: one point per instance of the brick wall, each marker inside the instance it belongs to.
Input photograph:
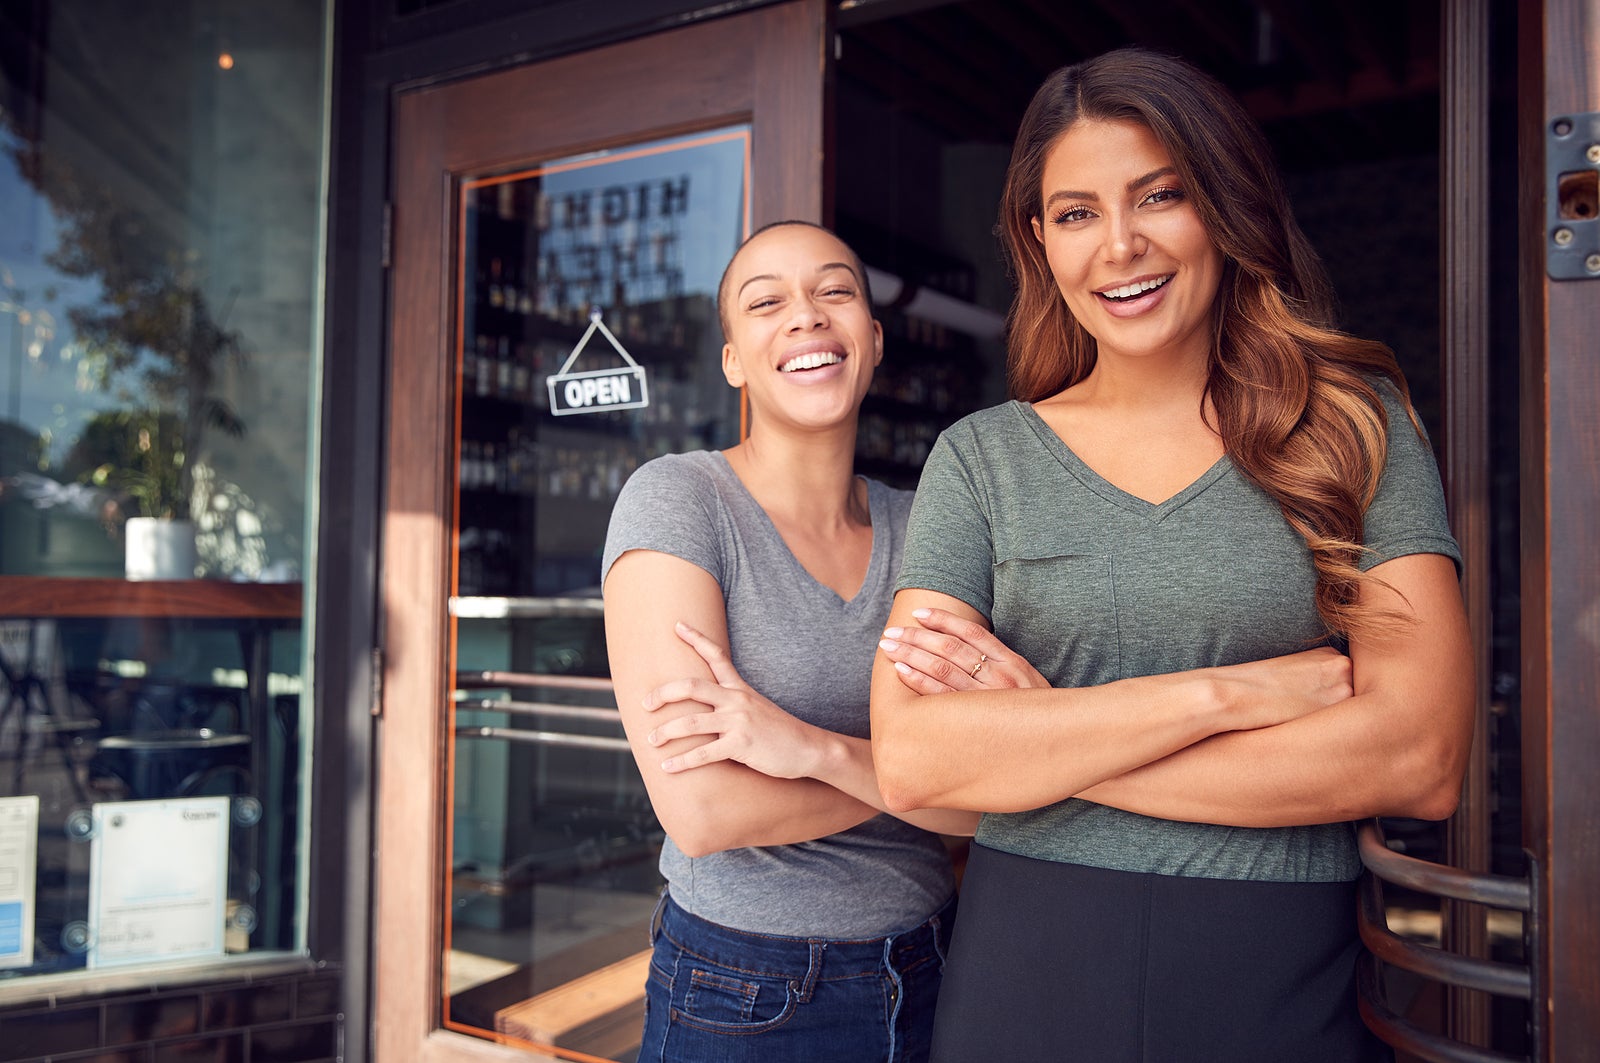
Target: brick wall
(284, 1019)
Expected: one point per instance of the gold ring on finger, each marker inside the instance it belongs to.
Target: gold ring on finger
(981, 658)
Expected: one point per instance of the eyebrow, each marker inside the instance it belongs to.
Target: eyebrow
(824, 268)
(1133, 185)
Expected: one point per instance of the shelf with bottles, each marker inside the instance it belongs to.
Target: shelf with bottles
(931, 375)
(916, 264)
(510, 370)
(501, 563)
(929, 378)
(519, 290)
(521, 467)
(508, 452)
(504, 307)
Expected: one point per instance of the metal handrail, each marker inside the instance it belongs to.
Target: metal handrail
(1497, 891)
(1398, 1033)
(483, 607)
(1431, 962)
(1441, 965)
(474, 680)
(547, 738)
(540, 708)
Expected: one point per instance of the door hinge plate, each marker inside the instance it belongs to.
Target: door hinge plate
(376, 679)
(386, 239)
(1572, 196)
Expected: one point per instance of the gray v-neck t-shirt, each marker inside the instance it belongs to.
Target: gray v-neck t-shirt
(811, 652)
(1092, 584)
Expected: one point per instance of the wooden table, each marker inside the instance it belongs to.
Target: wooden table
(254, 608)
(49, 596)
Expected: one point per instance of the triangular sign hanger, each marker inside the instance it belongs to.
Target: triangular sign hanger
(622, 388)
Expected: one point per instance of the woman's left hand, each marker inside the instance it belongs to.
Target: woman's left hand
(949, 653)
(750, 729)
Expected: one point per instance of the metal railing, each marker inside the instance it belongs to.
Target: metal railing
(1385, 947)
(469, 680)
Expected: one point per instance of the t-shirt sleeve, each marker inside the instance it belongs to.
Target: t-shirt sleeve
(949, 542)
(670, 506)
(1407, 515)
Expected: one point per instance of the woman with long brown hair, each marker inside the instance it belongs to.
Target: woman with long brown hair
(1198, 472)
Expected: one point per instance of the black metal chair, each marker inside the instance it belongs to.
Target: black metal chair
(177, 763)
(28, 704)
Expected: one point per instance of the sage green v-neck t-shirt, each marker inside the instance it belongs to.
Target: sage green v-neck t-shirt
(1092, 584)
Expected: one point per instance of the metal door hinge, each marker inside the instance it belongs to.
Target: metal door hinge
(386, 241)
(376, 681)
(1572, 196)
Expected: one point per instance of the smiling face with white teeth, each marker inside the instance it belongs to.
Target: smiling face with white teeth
(1126, 247)
(801, 337)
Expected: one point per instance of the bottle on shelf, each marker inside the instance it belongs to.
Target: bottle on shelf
(483, 383)
(503, 368)
(521, 373)
(497, 295)
(466, 474)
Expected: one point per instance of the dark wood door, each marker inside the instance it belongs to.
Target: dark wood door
(1560, 484)
(757, 80)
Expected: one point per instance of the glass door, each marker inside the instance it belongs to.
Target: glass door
(589, 344)
(554, 327)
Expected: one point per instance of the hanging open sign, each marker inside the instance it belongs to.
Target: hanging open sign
(621, 388)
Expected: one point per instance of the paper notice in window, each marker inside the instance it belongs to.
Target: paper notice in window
(19, 854)
(158, 877)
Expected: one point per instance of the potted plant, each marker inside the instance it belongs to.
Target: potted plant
(165, 337)
(139, 456)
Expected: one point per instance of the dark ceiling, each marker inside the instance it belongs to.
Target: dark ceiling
(1330, 81)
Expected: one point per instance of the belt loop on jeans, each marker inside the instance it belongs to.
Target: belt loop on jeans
(655, 916)
(936, 926)
(813, 970)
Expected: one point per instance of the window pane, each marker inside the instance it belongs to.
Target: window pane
(161, 182)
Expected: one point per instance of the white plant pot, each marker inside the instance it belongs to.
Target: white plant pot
(159, 548)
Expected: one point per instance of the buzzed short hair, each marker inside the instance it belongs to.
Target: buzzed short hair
(722, 285)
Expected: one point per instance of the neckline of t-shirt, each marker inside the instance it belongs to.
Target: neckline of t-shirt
(1086, 475)
(875, 512)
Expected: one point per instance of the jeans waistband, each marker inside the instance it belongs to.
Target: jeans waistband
(776, 955)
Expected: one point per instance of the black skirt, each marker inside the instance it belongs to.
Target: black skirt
(1062, 962)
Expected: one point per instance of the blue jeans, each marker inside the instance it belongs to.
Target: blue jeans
(717, 995)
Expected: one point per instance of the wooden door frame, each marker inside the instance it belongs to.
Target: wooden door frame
(770, 67)
(1560, 484)
(1464, 372)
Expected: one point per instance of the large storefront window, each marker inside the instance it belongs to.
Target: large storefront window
(161, 190)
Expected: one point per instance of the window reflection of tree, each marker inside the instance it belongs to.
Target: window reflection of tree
(152, 339)
(154, 342)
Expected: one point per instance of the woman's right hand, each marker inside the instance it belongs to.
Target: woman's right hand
(749, 729)
(1279, 689)
(947, 652)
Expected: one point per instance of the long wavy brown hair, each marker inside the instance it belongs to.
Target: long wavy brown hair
(1294, 398)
